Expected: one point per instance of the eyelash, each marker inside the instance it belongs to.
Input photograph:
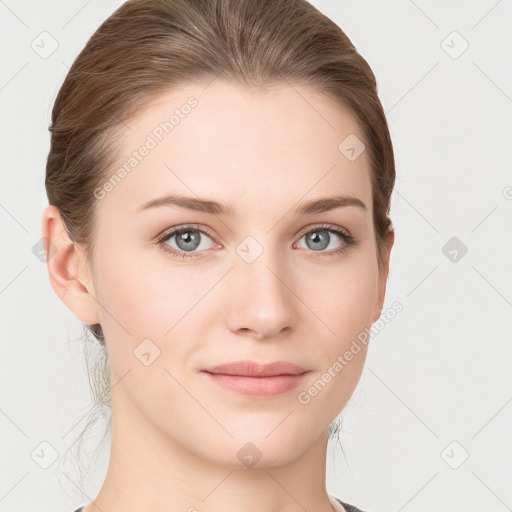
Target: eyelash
(348, 239)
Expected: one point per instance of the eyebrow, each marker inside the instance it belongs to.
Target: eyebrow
(213, 207)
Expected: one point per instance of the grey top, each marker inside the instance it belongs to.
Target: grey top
(349, 508)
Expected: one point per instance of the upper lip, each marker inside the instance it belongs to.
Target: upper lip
(253, 369)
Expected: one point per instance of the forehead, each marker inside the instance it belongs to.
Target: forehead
(248, 147)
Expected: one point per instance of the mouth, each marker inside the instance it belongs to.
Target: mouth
(254, 379)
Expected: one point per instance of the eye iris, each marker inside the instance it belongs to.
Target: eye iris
(323, 239)
(191, 240)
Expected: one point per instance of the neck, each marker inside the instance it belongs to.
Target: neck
(149, 471)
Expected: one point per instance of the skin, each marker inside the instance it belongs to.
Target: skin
(175, 433)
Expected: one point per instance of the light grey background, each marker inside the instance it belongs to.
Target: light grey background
(437, 382)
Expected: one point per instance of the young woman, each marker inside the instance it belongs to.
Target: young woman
(219, 184)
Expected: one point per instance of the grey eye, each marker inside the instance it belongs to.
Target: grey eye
(187, 240)
(319, 239)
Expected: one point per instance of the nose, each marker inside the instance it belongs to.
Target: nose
(260, 297)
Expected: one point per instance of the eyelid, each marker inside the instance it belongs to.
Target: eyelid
(173, 230)
(333, 227)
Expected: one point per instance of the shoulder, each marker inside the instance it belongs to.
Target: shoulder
(351, 508)
(347, 506)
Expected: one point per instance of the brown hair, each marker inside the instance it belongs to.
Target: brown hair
(147, 47)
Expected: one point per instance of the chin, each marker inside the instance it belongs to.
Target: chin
(261, 448)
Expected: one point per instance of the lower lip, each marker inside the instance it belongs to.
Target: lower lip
(258, 386)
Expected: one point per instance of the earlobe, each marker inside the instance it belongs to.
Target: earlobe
(68, 274)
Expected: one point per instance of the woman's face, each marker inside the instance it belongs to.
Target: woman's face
(261, 281)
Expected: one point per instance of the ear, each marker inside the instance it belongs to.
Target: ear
(67, 268)
(383, 274)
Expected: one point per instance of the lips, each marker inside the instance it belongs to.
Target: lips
(253, 369)
(255, 379)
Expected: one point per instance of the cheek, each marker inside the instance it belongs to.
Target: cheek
(133, 288)
(123, 291)
(158, 301)
(343, 297)
(141, 303)
(350, 304)
(344, 306)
